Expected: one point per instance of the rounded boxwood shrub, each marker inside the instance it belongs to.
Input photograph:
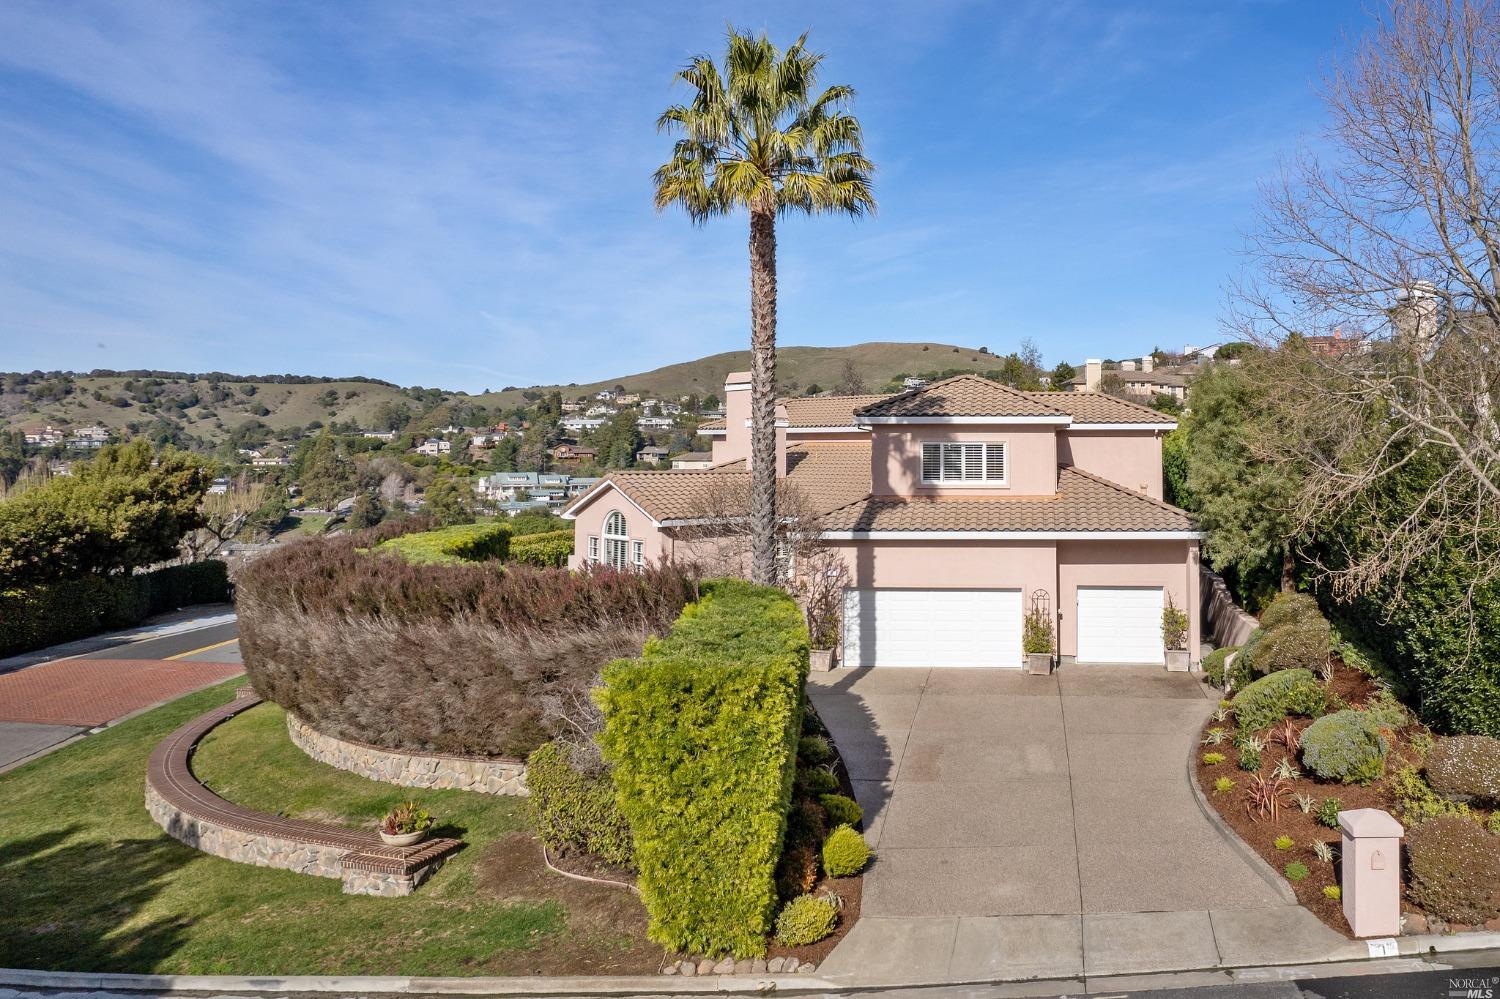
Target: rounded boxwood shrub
(1455, 869)
(1289, 608)
(842, 810)
(1266, 701)
(1292, 645)
(816, 781)
(844, 853)
(1213, 664)
(1346, 746)
(806, 919)
(1466, 768)
(814, 749)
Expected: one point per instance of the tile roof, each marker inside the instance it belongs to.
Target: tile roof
(1096, 407)
(962, 395)
(827, 410)
(712, 425)
(1083, 502)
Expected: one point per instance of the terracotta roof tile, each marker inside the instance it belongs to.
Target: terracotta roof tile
(962, 395)
(1096, 407)
(827, 410)
(1083, 502)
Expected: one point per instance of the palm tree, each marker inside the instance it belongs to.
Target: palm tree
(755, 137)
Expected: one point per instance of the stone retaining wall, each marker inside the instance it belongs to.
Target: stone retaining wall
(463, 773)
(1223, 620)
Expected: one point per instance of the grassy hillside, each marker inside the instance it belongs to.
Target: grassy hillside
(214, 409)
(796, 369)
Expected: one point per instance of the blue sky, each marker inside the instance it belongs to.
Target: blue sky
(459, 194)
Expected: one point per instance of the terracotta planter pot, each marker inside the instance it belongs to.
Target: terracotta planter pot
(820, 660)
(403, 839)
(1039, 663)
(1177, 660)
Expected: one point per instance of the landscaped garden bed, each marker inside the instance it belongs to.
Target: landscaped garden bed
(1292, 749)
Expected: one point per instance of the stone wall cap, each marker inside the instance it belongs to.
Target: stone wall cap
(1363, 823)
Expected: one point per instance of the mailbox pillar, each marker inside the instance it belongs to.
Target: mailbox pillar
(1372, 871)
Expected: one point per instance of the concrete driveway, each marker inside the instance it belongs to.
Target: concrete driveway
(1057, 809)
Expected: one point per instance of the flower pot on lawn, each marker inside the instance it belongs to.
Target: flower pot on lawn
(1039, 663)
(403, 839)
(1177, 660)
(820, 660)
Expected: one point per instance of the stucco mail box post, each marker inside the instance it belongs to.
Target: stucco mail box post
(1372, 871)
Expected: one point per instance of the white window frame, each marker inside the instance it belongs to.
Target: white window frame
(593, 547)
(965, 456)
(638, 553)
(616, 540)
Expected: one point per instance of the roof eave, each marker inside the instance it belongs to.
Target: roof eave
(1046, 420)
(949, 535)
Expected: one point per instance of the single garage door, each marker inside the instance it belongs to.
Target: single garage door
(1119, 624)
(932, 628)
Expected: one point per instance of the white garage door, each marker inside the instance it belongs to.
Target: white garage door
(1119, 624)
(932, 628)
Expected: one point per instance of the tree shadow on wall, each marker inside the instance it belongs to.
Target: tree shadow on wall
(65, 902)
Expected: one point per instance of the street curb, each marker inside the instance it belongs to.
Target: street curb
(72, 649)
(1257, 862)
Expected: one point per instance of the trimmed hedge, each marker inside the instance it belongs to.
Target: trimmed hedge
(1346, 746)
(1266, 701)
(451, 545)
(1214, 668)
(551, 548)
(575, 811)
(1466, 768)
(34, 617)
(1297, 644)
(702, 731)
(1290, 608)
(467, 659)
(1455, 869)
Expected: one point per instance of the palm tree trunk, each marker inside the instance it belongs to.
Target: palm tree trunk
(763, 394)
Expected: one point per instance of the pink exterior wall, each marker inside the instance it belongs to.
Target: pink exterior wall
(735, 444)
(1172, 565)
(638, 527)
(1131, 458)
(1030, 456)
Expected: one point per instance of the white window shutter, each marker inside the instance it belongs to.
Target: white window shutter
(932, 465)
(994, 462)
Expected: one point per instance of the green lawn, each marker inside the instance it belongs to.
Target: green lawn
(89, 882)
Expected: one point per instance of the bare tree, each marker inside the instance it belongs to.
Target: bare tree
(1389, 247)
(718, 533)
(851, 382)
(225, 516)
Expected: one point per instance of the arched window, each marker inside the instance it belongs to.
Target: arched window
(616, 540)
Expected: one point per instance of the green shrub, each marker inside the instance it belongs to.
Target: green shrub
(524, 525)
(1416, 801)
(1249, 759)
(1386, 711)
(1296, 871)
(702, 733)
(1455, 869)
(1328, 812)
(814, 749)
(1284, 843)
(451, 545)
(842, 810)
(1213, 759)
(34, 617)
(575, 811)
(845, 853)
(1346, 746)
(1213, 664)
(1299, 644)
(1223, 785)
(806, 920)
(1247, 651)
(1271, 698)
(1289, 608)
(1333, 892)
(1466, 768)
(1493, 823)
(816, 781)
(550, 549)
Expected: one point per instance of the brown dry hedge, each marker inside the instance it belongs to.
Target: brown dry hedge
(464, 659)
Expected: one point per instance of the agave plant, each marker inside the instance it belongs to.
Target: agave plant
(1255, 742)
(1264, 797)
(1323, 851)
(1221, 713)
(1305, 803)
(1285, 770)
(1213, 737)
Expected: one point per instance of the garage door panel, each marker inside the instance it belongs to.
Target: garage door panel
(921, 628)
(1120, 624)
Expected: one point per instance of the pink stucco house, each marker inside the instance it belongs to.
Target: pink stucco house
(956, 506)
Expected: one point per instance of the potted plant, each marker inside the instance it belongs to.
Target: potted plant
(1036, 640)
(821, 589)
(1174, 635)
(405, 824)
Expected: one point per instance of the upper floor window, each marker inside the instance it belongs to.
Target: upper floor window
(957, 463)
(616, 542)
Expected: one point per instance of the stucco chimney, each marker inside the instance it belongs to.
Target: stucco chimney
(1415, 313)
(782, 422)
(1127, 365)
(736, 443)
(1148, 363)
(1093, 374)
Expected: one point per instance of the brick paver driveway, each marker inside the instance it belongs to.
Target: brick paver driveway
(988, 792)
(85, 692)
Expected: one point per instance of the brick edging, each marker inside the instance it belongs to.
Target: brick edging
(485, 775)
(192, 814)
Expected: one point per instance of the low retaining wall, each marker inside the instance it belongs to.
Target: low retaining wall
(441, 770)
(192, 814)
(1223, 620)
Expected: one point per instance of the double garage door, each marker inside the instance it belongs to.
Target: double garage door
(982, 628)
